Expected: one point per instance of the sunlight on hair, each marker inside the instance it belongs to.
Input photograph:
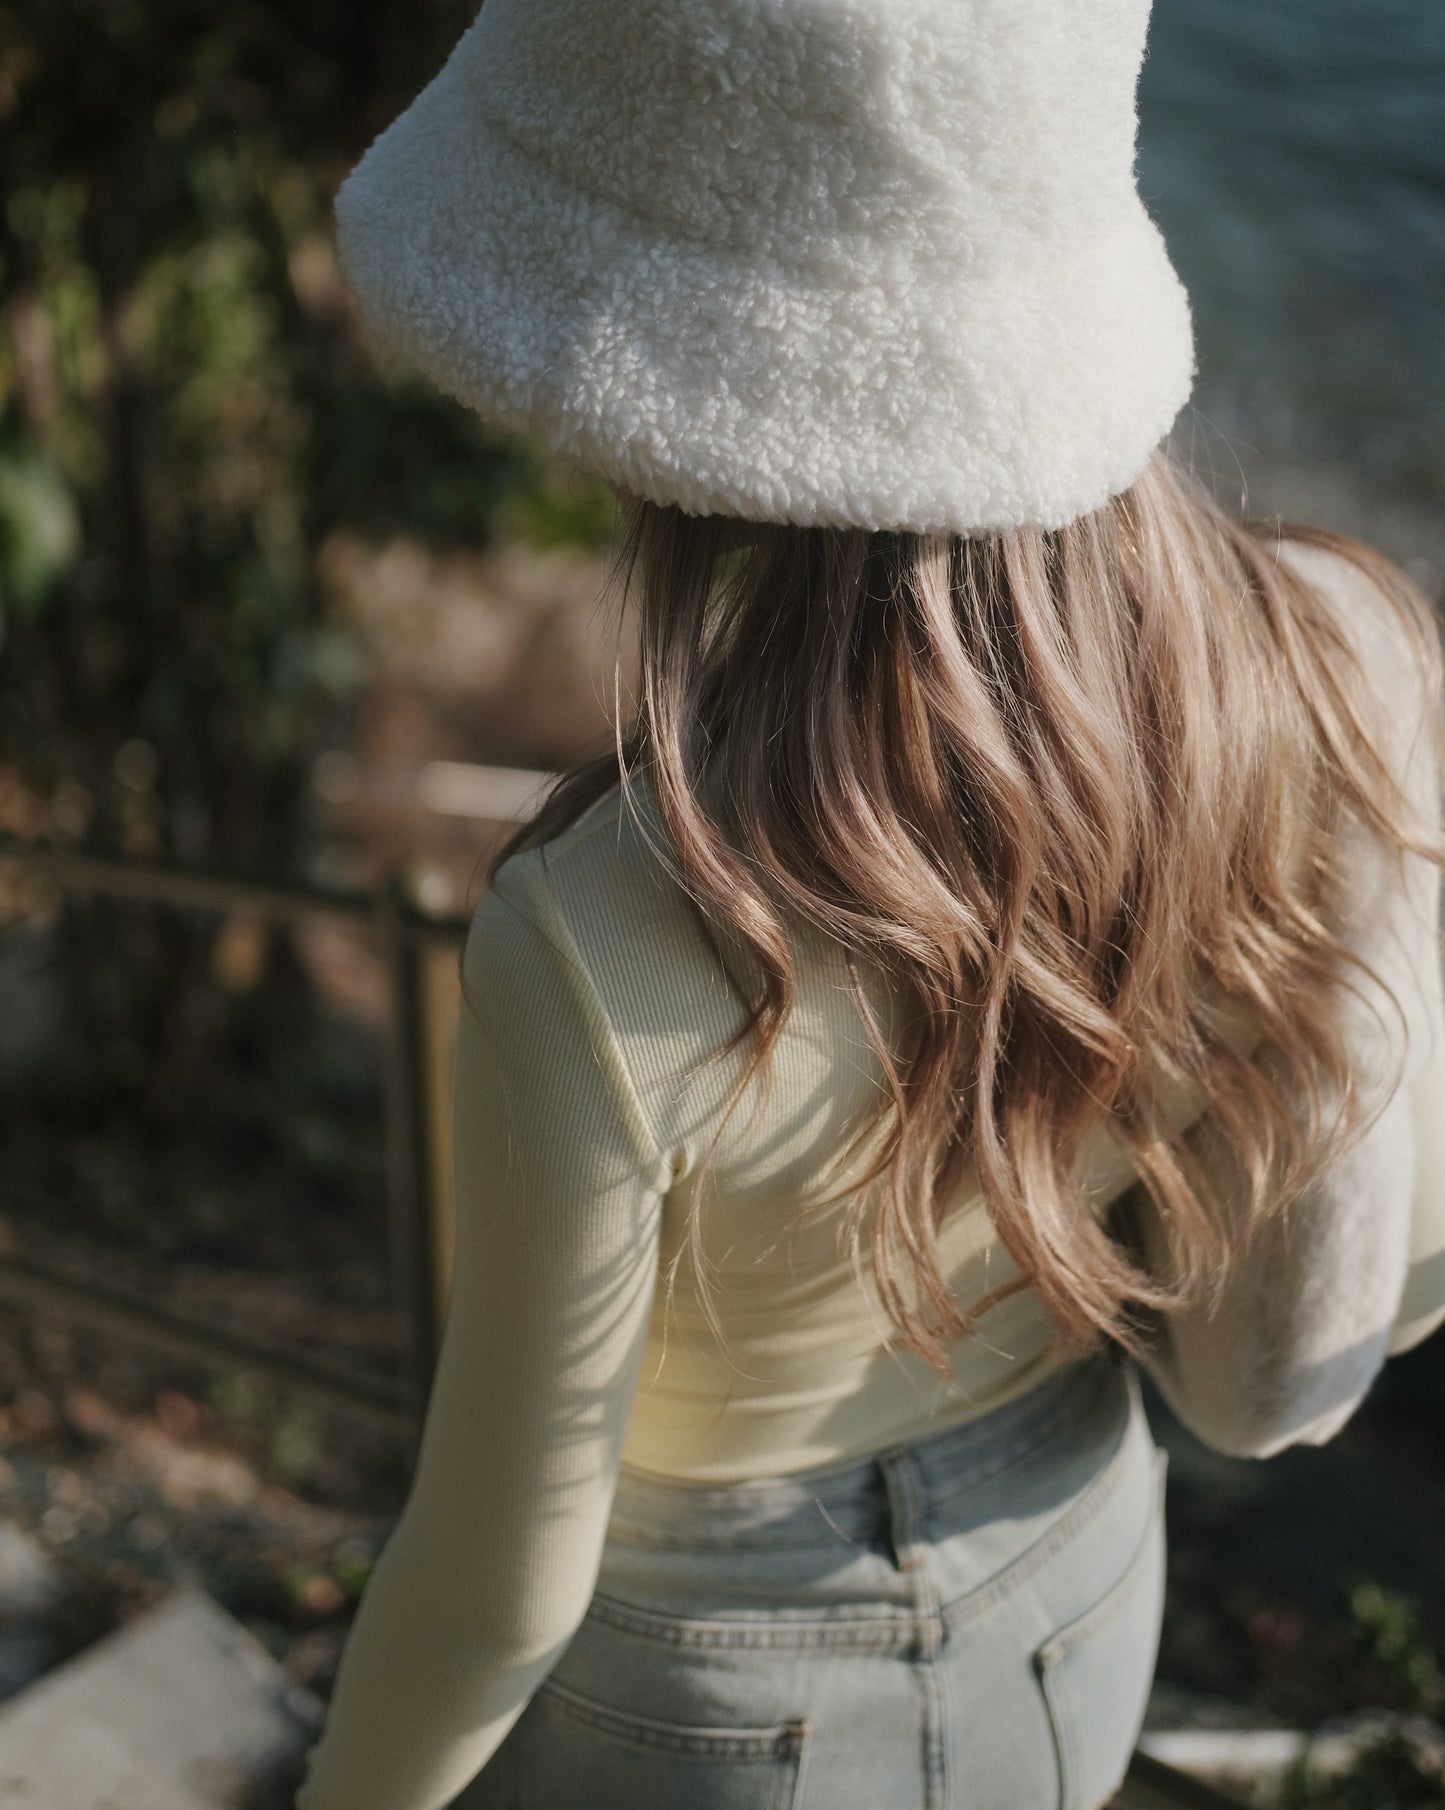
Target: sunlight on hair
(1079, 794)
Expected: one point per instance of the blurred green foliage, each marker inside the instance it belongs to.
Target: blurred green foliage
(1397, 1765)
(1405, 1668)
(1389, 1773)
(187, 410)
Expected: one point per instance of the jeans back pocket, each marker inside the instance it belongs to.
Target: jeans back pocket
(575, 1751)
(1096, 1671)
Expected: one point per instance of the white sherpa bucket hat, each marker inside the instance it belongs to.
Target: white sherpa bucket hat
(869, 262)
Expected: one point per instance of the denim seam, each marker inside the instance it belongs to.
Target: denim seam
(909, 1505)
(1057, 1648)
(783, 1742)
(888, 1630)
(976, 1602)
(763, 1540)
(1015, 1453)
(1060, 1645)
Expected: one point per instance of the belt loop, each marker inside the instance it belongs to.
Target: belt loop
(905, 1507)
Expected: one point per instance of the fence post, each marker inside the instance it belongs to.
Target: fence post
(412, 1189)
(441, 969)
(422, 969)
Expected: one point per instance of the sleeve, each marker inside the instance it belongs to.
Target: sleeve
(492, 1563)
(1422, 1307)
(1355, 1268)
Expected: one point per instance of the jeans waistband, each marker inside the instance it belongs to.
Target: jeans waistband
(1074, 1405)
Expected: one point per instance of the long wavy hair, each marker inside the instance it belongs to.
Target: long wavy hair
(1073, 790)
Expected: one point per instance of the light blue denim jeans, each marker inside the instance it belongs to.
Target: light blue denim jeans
(966, 1623)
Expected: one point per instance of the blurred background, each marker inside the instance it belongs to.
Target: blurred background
(272, 611)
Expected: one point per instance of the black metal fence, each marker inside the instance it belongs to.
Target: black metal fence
(410, 941)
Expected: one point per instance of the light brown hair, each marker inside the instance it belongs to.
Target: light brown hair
(1068, 788)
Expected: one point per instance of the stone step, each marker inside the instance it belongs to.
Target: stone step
(32, 1594)
(181, 1710)
(1243, 1758)
(1151, 1785)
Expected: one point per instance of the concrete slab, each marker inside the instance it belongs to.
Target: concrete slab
(182, 1710)
(32, 1589)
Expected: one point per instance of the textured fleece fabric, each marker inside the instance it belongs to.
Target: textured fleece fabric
(580, 1123)
(879, 262)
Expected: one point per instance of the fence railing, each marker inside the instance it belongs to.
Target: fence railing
(420, 950)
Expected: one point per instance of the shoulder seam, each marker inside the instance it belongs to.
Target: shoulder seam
(577, 833)
(581, 831)
(557, 932)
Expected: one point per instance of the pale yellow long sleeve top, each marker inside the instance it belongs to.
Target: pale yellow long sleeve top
(587, 1094)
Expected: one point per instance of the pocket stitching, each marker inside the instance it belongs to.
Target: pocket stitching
(785, 1741)
(1060, 1645)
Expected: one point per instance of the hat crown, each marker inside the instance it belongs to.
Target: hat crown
(874, 263)
(730, 122)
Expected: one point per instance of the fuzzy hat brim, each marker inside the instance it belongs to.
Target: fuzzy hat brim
(857, 384)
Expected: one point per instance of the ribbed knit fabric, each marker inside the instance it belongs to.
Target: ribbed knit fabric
(584, 1107)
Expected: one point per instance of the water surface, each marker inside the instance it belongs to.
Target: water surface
(1293, 151)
